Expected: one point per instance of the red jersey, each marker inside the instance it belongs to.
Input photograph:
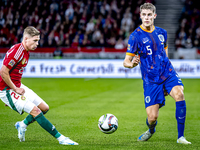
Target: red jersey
(17, 53)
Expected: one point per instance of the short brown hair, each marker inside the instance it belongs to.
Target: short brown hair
(148, 6)
(32, 31)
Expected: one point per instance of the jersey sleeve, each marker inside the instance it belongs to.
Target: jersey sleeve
(132, 45)
(10, 59)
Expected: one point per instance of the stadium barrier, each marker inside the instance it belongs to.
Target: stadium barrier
(187, 53)
(98, 68)
(98, 53)
(75, 53)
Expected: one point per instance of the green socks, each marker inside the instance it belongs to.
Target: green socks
(45, 124)
(29, 119)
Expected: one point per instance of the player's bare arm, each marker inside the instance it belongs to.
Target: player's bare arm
(166, 50)
(4, 72)
(130, 61)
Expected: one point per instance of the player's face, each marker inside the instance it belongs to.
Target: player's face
(32, 42)
(147, 17)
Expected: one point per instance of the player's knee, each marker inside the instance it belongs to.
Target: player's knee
(177, 93)
(152, 118)
(35, 111)
(46, 108)
(179, 96)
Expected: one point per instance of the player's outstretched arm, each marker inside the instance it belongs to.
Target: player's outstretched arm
(4, 72)
(130, 61)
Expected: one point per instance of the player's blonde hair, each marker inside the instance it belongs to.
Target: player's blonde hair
(148, 6)
(31, 31)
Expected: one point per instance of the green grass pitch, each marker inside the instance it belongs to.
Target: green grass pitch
(77, 104)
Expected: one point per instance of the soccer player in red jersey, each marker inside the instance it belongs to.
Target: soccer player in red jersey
(19, 97)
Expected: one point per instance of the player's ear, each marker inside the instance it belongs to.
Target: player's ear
(155, 15)
(25, 37)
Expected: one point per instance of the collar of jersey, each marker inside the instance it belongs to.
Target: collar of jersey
(23, 45)
(147, 30)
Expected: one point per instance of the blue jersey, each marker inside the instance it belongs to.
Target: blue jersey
(150, 46)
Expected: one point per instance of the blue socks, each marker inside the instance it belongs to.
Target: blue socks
(180, 117)
(152, 127)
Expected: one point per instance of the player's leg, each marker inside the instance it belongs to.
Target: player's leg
(49, 127)
(151, 121)
(30, 119)
(178, 95)
(37, 114)
(35, 106)
(152, 113)
(174, 86)
(14, 101)
(33, 97)
(154, 99)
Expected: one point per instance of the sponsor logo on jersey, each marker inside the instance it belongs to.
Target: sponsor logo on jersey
(144, 40)
(128, 47)
(11, 63)
(161, 37)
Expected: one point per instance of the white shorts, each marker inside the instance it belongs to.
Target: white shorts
(18, 102)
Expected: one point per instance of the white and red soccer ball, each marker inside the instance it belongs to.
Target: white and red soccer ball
(108, 123)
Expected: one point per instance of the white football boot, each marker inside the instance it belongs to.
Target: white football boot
(145, 136)
(21, 131)
(67, 141)
(182, 140)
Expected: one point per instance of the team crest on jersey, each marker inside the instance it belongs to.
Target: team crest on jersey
(144, 40)
(23, 97)
(23, 61)
(147, 99)
(161, 37)
(11, 63)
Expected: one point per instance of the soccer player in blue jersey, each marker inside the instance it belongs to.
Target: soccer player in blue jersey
(147, 46)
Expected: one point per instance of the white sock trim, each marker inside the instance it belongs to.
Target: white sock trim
(22, 124)
(60, 138)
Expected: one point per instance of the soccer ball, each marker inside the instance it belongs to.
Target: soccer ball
(108, 123)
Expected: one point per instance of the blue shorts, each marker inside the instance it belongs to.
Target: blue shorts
(154, 93)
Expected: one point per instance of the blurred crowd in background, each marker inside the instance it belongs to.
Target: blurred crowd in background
(96, 23)
(71, 23)
(188, 34)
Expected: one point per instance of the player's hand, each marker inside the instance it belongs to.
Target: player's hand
(20, 91)
(136, 60)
